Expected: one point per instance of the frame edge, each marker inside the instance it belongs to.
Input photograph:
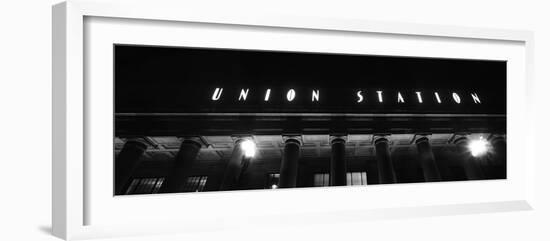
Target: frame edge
(67, 24)
(59, 116)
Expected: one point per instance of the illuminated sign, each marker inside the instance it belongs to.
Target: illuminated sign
(199, 80)
(315, 95)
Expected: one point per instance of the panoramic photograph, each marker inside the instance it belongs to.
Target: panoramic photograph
(209, 119)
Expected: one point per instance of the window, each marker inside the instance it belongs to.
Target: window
(272, 181)
(321, 180)
(145, 185)
(195, 184)
(356, 178)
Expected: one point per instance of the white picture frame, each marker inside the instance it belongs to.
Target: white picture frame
(81, 210)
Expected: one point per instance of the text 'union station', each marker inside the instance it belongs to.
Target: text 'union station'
(203, 119)
(419, 97)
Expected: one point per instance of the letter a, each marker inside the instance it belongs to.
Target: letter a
(400, 98)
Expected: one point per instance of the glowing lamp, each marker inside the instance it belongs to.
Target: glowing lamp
(249, 148)
(478, 147)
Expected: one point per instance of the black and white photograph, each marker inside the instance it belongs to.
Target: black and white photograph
(193, 119)
(275, 120)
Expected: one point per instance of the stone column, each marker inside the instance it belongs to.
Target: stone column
(189, 149)
(289, 162)
(338, 161)
(234, 167)
(386, 173)
(470, 164)
(427, 160)
(126, 163)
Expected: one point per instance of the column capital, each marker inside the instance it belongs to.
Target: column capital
(335, 138)
(497, 137)
(135, 139)
(459, 138)
(421, 137)
(381, 137)
(240, 138)
(296, 138)
(195, 139)
(139, 141)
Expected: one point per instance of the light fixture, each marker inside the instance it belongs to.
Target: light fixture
(478, 147)
(274, 186)
(249, 148)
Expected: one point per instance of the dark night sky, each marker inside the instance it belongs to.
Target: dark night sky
(163, 79)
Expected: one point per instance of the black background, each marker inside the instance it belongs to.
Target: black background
(182, 80)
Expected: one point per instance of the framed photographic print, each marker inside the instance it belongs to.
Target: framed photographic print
(178, 121)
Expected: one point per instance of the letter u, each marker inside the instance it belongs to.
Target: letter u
(217, 94)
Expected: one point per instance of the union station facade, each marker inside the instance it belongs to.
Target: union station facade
(298, 120)
(160, 164)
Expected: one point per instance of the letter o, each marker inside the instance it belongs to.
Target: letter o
(456, 97)
(290, 95)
